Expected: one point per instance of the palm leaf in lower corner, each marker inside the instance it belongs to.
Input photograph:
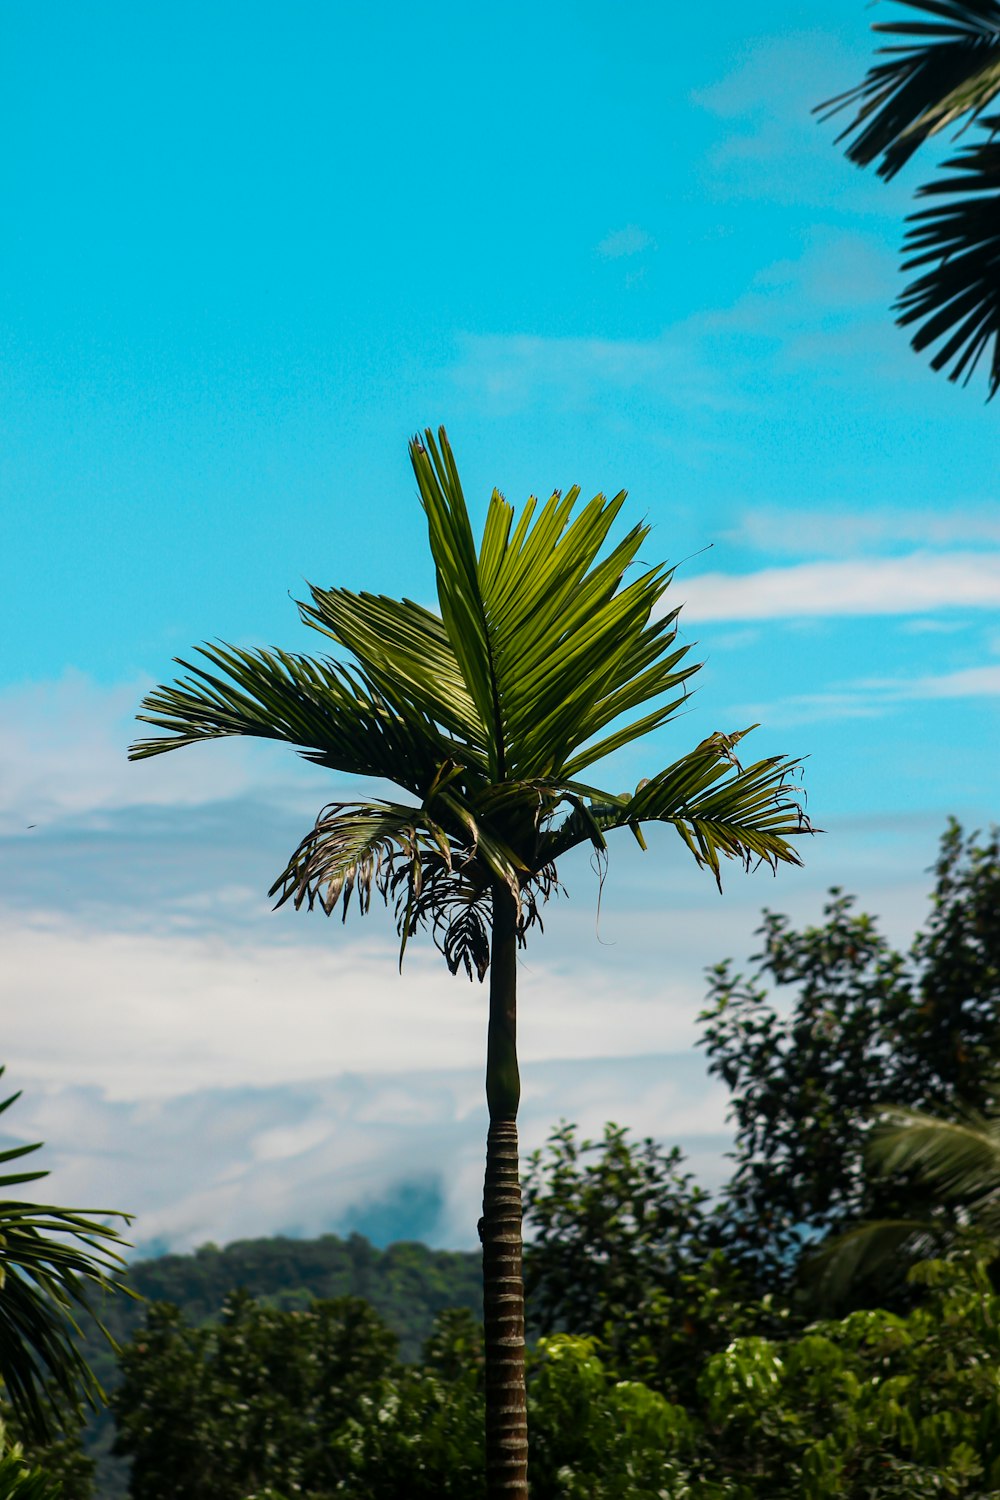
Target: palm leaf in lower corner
(52, 1262)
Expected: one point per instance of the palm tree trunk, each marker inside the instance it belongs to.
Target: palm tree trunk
(500, 1227)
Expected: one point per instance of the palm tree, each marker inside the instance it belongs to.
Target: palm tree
(54, 1264)
(957, 1160)
(487, 715)
(947, 72)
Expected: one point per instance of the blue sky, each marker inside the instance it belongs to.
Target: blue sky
(246, 252)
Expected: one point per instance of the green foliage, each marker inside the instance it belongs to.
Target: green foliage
(874, 1405)
(21, 1478)
(19, 1482)
(407, 1285)
(867, 1025)
(226, 1411)
(423, 1436)
(61, 1457)
(620, 1245)
(595, 1437)
(53, 1264)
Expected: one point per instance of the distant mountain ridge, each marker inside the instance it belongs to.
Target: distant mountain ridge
(407, 1283)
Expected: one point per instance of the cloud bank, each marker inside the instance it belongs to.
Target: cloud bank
(921, 582)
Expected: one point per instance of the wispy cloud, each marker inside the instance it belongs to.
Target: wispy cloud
(344, 1151)
(773, 146)
(795, 321)
(623, 242)
(145, 1014)
(916, 584)
(509, 373)
(969, 682)
(873, 697)
(832, 530)
(63, 754)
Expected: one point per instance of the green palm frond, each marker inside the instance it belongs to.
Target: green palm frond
(719, 808)
(52, 1263)
(356, 847)
(557, 648)
(462, 612)
(870, 1250)
(405, 653)
(948, 69)
(958, 299)
(329, 712)
(959, 1158)
(19, 1480)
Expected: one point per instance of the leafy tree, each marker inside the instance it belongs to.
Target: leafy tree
(622, 1245)
(868, 1407)
(945, 73)
(866, 1025)
(229, 1410)
(53, 1264)
(486, 716)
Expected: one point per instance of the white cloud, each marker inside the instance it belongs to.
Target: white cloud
(146, 1014)
(220, 1163)
(628, 241)
(509, 373)
(969, 682)
(833, 531)
(870, 698)
(914, 584)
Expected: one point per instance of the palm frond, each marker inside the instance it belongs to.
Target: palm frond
(462, 612)
(948, 69)
(958, 299)
(429, 877)
(329, 712)
(869, 1250)
(574, 646)
(405, 654)
(354, 847)
(960, 1158)
(556, 645)
(52, 1263)
(719, 808)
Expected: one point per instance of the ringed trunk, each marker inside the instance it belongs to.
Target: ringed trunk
(500, 1226)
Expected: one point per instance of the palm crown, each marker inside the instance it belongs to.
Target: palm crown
(544, 658)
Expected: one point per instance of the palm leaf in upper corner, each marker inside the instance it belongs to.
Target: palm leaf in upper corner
(957, 300)
(949, 67)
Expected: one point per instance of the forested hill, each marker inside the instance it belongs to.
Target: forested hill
(407, 1283)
